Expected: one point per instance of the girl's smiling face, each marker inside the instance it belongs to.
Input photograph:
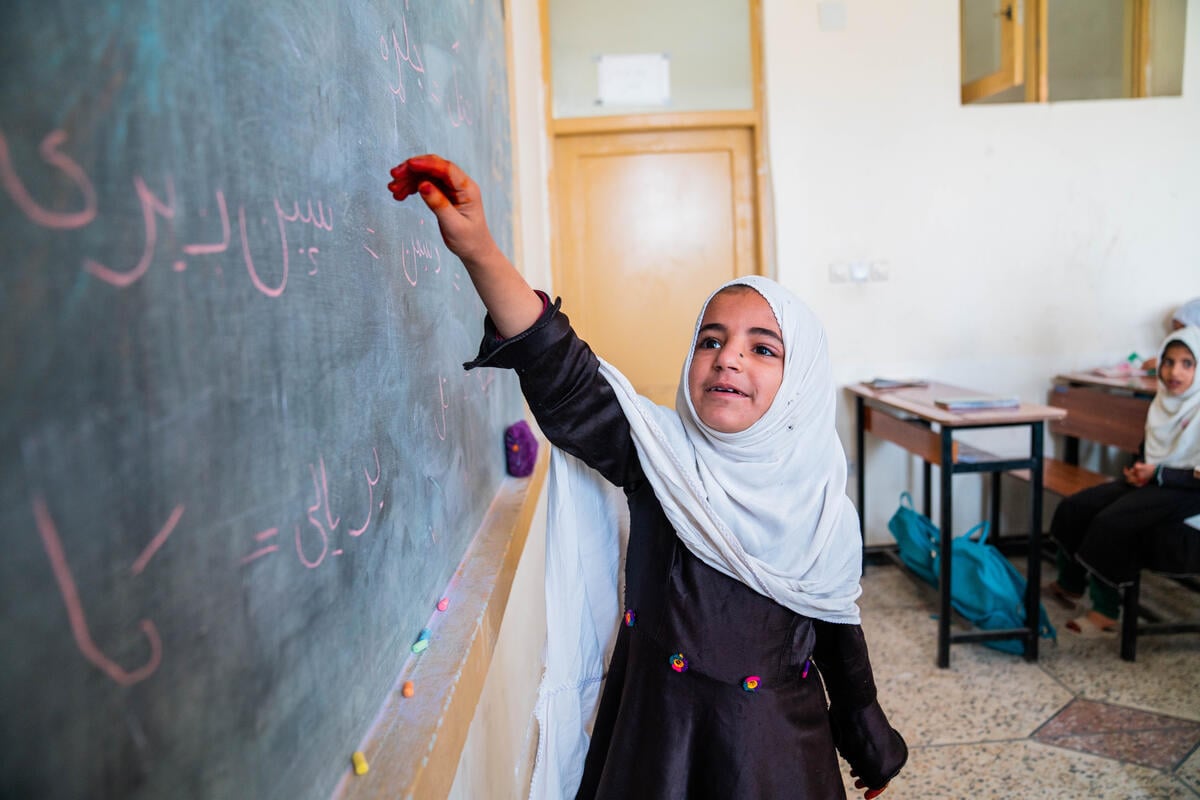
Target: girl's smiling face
(1177, 369)
(737, 365)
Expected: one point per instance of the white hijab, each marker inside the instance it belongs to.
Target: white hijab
(1188, 313)
(766, 506)
(1172, 428)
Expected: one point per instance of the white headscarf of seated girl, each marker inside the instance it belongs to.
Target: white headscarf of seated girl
(1172, 427)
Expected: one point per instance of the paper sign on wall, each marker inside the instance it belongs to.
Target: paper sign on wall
(635, 79)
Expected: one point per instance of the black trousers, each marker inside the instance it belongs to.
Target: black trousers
(1116, 529)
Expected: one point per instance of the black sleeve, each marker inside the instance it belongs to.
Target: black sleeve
(574, 405)
(1180, 478)
(861, 732)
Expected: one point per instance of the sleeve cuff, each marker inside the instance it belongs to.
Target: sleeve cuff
(870, 745)
(496, 351)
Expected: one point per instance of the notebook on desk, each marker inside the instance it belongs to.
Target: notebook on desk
(896, 383)
(976, 403)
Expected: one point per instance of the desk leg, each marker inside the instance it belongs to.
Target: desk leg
(947, 476)
(861, 467)
(1033, 583)
(927, 483)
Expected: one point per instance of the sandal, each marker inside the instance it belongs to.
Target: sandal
(1068, 600)
(1089, 628)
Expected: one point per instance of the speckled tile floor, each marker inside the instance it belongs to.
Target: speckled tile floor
(1078, 723)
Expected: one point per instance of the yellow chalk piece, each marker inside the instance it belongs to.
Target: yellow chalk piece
(360, 763)
(408, 690)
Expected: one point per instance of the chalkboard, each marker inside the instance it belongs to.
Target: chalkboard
(239, 456)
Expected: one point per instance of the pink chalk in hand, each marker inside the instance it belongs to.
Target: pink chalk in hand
(443, 604)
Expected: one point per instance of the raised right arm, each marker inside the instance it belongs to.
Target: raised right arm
(575, 407)
(457, 203)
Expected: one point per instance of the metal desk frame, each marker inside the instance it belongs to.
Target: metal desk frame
(1030, 416)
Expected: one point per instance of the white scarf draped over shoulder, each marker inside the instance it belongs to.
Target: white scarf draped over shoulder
(1172, 428)
(766, 506)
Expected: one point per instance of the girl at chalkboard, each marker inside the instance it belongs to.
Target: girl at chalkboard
(744, 557)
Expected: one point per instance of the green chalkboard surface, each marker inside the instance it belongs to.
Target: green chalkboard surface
(239, 457)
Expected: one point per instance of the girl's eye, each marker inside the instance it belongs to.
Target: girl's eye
(707, 343)
(763, 350)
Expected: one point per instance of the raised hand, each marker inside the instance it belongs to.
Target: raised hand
(457, 203)
(453, 198)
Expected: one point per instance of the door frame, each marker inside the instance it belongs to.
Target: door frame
(764, 245)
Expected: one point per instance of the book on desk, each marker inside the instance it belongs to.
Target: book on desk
(977, 402)
(896, 383)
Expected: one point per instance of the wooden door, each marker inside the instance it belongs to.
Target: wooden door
(648, 224)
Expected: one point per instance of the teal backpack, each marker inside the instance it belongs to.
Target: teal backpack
(984, 587)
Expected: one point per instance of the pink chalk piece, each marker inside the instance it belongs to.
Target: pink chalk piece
(443, 604)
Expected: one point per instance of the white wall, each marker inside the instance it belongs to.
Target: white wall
(1020, 240)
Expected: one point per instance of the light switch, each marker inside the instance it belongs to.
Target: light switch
(831, 15)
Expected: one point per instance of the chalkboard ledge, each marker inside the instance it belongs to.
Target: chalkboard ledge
(415, 745)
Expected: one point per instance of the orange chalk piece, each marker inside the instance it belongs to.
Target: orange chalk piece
(360, 763)
(443, 604)
(408, 690)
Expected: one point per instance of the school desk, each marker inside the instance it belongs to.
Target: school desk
(910, 417)
(1117, 404)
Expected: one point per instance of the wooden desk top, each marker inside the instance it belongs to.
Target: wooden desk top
(1138, 384)
(919, 401)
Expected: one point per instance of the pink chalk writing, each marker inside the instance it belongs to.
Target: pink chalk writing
(312, 256)
(152, 207)
(417, 254)
(75, 614)
(374, 255)
(458, 108)
(313, 548)
(316, 523)
(317, 220)
(211, 249)
(158, 541)
(370, 495)
(409, 57)
(262, 536)
(441, 430)
(68, 167)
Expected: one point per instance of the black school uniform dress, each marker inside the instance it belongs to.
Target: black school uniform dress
(713, 690)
